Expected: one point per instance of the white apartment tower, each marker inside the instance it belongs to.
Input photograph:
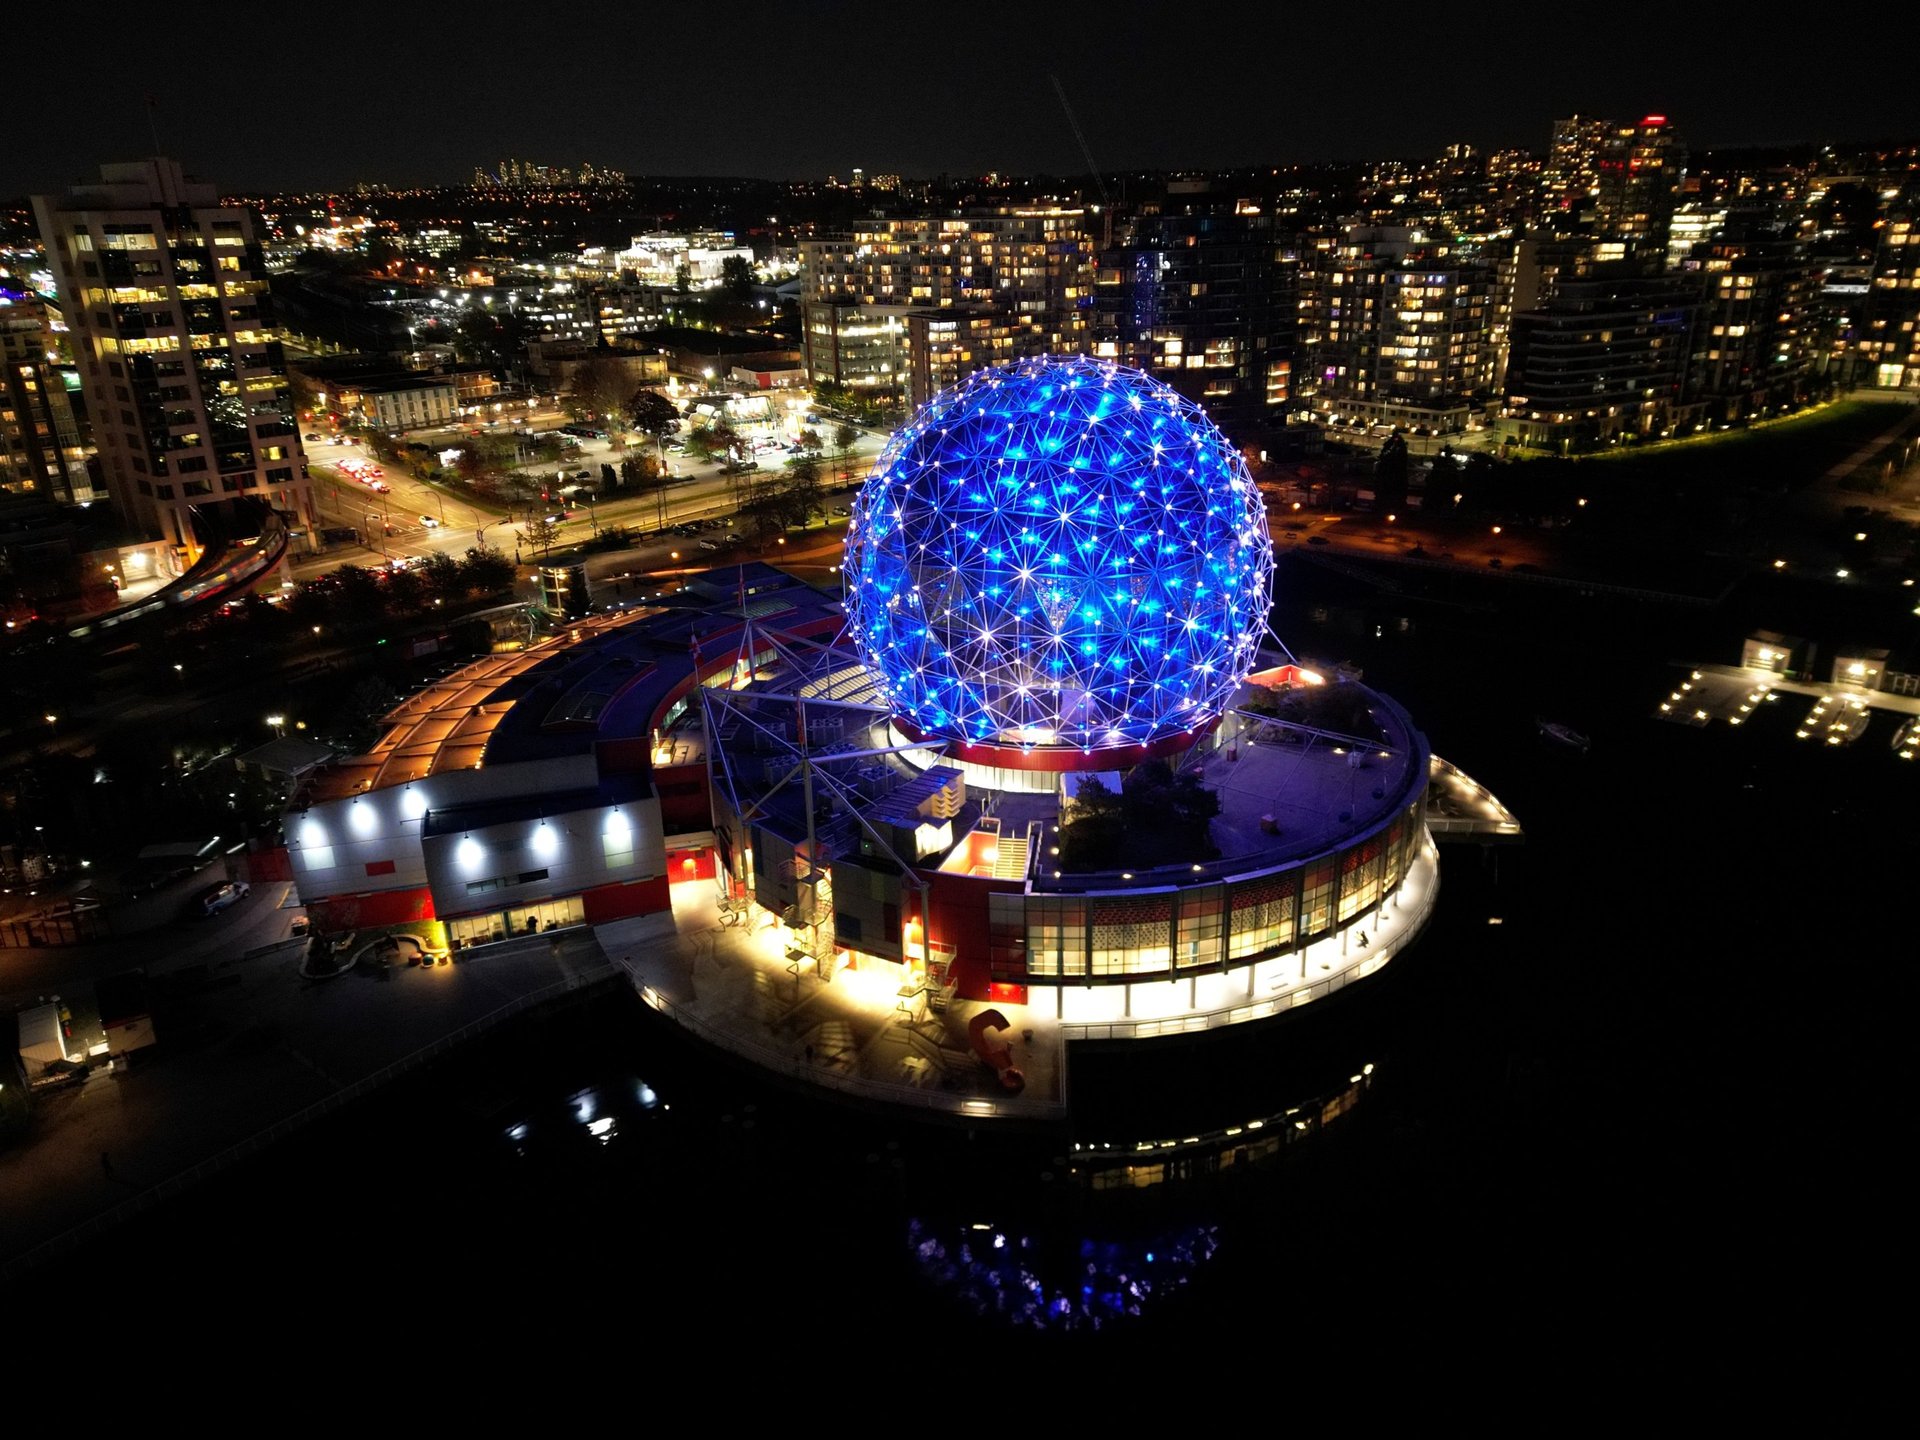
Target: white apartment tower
(165, 294)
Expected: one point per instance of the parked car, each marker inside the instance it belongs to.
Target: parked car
(215, 898)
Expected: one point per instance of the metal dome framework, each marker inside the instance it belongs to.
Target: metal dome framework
(1062, 551)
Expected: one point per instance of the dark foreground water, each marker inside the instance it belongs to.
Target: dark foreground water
(1661, 1103)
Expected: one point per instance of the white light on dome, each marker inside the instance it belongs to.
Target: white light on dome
(1059, 551)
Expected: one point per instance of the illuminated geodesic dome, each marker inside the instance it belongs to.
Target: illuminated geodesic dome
(1060, 551)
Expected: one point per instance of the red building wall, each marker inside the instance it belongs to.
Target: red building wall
(381, 907)
(959, 917)
(683, 797)
(616, 902)
(695, 863)
(273, 863)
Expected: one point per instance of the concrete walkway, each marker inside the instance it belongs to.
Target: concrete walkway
(855, 1033)
(240, 1058)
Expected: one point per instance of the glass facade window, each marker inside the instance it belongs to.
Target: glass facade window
(1316, 901)
(1197, 940)
(1056, 935)
(1395, 856)
(1360, 877)
(1007, 937)
(1132, 936)
(521, 920)
(1263, 914)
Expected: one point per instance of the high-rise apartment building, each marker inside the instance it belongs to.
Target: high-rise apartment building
(1396, 329)
(1620, 180)
(1572, 178)
(165, 294)
(1206, 303)
(1029, 268)
(1755, 340)
(43, 442)
(1605, 356)
(1641, 167)
(1890, 339)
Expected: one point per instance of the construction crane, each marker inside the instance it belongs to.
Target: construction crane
(1098, 183)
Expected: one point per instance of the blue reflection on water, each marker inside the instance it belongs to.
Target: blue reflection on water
(1003, 1276)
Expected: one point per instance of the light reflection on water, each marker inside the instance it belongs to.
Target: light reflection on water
(1004, 1275)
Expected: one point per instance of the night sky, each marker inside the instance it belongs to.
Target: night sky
(260, 98)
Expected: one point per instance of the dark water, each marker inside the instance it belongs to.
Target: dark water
(1660, 1099)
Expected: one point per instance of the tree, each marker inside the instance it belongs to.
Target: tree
(442, 577)
(651, 413)
(476, 337)
(736, 277)
(597, 390)
(539, 533)
(682, 278)
(764, 515)
(844, 439)
(701, 446)
(810, 441)
(1477, 483)
(802, 491)
(359, 599)
(487, 571)
(1390, 474)
(1094, 826)
(406, 592)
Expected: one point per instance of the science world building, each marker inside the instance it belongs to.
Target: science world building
(1038, 775)
(1057, 583)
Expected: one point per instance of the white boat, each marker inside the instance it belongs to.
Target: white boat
(1563, 735)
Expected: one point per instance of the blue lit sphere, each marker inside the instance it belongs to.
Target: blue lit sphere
(1061, 551)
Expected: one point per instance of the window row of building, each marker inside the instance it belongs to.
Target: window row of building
(1050, 939)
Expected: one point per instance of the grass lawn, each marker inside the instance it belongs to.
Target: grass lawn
(1792, 452)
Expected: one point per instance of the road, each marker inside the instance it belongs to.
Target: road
(262, 917)
(396, 524)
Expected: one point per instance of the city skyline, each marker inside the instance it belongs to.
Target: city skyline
(1258, 92)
